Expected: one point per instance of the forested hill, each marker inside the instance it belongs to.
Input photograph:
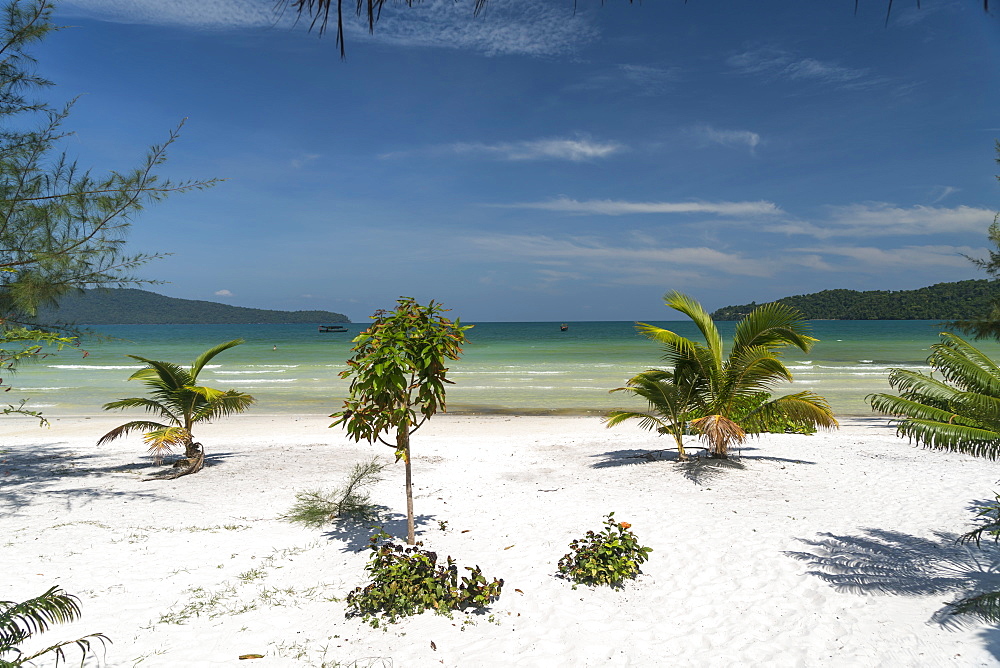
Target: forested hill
(128, 306)
(944, 301)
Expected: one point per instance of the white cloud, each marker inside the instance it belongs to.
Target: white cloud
(729, 137)
(577, 149)
(187, 13)
(542, 149)
(628, 78)
(223, 293)
(810, 68)
(303, 160)
(941, 192)
(524, 27)
(609, 207)
(774, 63)
(509, 27)
(630, 264)
(878, 219)
(877, 260)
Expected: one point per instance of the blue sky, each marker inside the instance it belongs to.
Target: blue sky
(541, 164)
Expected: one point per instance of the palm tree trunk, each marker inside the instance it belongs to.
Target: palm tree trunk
(681, 453)
(403, 446)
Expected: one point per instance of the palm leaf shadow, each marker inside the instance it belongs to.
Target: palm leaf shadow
(698, 469)
(36, 472)
(880, 561)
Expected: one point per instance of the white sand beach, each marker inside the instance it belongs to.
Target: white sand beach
(200, 570)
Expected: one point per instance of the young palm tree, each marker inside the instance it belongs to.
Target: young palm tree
(961, 412)
(704, 391)
(20, 621)
(179, 402)
(670, 404)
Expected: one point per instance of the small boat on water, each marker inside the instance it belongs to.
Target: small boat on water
(332, 328)
(563, 327)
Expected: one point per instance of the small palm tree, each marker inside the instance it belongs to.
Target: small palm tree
(20, 621)
(707, 392)
(179, 402)
(960, 412)
(670, 404)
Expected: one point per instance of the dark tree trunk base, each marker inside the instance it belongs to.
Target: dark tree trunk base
(192, 464)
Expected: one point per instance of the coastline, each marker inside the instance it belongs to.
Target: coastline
(200, 570)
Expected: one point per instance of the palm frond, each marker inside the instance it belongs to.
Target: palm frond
(37, 614)
(984, 409)
(966, 439)
(162, 441)
(806, 407)
(167, 375)
(149, 405)
(225, 404)
(129, 427)
(83, 644)
(692, 309)
(964, 366)
(207, 356)
(774, 325)
(209, 394)
(20, 620)
(985, 606)
(751, 370)
(719, 432)
(920, 387)
(647, 421)
(989, 518)
(890, 404)
(675, 344)
(969, 351)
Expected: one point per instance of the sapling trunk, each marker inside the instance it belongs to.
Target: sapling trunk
(403, 446)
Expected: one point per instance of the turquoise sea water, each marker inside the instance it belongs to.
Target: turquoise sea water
(507, 367)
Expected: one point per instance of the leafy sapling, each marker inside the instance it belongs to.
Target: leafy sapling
(398, 378)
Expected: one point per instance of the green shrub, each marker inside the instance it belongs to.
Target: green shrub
(606, 558)
(316, 508)
(408, 580)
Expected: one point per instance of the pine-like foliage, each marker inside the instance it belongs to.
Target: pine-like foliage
(316, 508)
(959, 412)
(62, 227)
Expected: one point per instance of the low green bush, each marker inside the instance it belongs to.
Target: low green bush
(606, 558)
(409, 580)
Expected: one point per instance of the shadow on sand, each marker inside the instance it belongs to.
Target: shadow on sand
(699, 469)
(880, 561)
(28, 474)
(355, 533)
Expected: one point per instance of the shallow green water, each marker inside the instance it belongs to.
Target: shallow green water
(516, 367)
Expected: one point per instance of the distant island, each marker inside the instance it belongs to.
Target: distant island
(943, 301)
(129, 306)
